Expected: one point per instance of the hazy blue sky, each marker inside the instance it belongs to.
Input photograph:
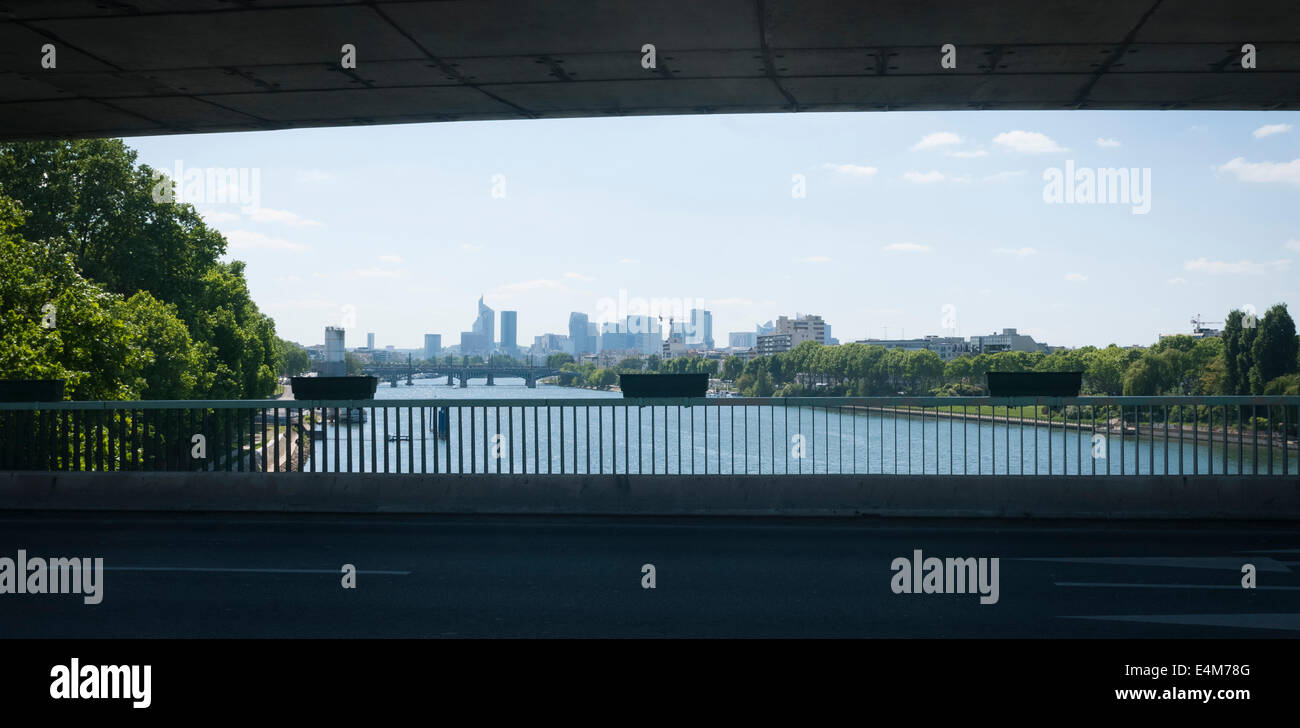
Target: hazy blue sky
(401, 223)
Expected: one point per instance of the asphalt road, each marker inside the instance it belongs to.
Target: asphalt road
(223, 575)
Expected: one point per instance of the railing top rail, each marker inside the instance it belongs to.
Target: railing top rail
(865, 402)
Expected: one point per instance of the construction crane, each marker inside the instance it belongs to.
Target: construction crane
(1198, 324)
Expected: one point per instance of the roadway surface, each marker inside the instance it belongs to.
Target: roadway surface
(198, 575)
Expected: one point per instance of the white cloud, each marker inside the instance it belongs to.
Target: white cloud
(284, 217)
(1004, 176)
(1288, 172)
(629, 261)
(924, 177)
(578, 277)
(937, 140)
(1027, 142)
(470, 246)
(1292, 244)
(1236, 266)
(249, 240)
(906, 248)
(1076, 277)
(853, 170)
(1022, 252)
(390, 259)
(813, 259)
(1105, 142)
(1271, 129)
(971, 153)
(1176, 281)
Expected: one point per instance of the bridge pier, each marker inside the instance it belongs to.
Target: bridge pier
(451, 380)
(392, 382)
(464, 380)
(490, 380)
(532, 382)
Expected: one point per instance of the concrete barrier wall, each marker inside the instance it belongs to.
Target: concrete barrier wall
(1174, 497)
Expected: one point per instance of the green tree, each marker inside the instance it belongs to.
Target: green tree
(293, 358)
(89, 199)
(558, 360)
(732, 367)
(1273, 350)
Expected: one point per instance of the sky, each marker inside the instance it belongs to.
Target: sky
(885, 224)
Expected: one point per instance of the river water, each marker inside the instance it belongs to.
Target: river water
(606, 437)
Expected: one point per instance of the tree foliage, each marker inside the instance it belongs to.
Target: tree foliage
(145, 306)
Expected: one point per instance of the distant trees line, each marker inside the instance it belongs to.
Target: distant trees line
(122, 296)
(1259, 359)
(1252, 357)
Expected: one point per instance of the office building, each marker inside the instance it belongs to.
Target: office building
(769, 344)
(1008, 340)
(802, 328)
(509, 332)
(484, 326)
(473, 343)
(744, 340)
(432, 345)
(580, 337)
(699, 331)
(370, 341)
(335, 363)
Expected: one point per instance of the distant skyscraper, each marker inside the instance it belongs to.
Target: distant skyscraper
(432, 345)
(509, 332)
(485, 324)
(370, 341)
(579, 339)
(699, 330)
(742, 339)
(645, 333)
(335, 364)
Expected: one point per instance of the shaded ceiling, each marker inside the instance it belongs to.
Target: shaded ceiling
(140, 67)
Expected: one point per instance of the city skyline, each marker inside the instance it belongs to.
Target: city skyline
(899, 210)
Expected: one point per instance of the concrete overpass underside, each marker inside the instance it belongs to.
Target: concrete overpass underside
(142, 67)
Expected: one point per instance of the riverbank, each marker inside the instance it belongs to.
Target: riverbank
(1111, 426)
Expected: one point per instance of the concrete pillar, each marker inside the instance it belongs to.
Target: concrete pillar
(491, 382)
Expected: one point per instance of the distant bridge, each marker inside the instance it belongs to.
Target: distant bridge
(460, 373)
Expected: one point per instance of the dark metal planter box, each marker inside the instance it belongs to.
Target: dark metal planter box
(334, 387)
(1034, 384)
(637, 386)
(31, 390)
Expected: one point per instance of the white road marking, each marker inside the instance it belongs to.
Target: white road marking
(1176, 586)
(1289, 622)
(1182, 562)
(234, 570)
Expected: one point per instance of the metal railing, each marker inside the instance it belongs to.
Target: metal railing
(1077, 436)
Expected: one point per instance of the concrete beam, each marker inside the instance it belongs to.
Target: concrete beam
(1102, 497)
(138, 68)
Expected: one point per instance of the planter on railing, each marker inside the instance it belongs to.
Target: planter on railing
(31, 390)
(1034, 384)
(334, 387)
(663, 385)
